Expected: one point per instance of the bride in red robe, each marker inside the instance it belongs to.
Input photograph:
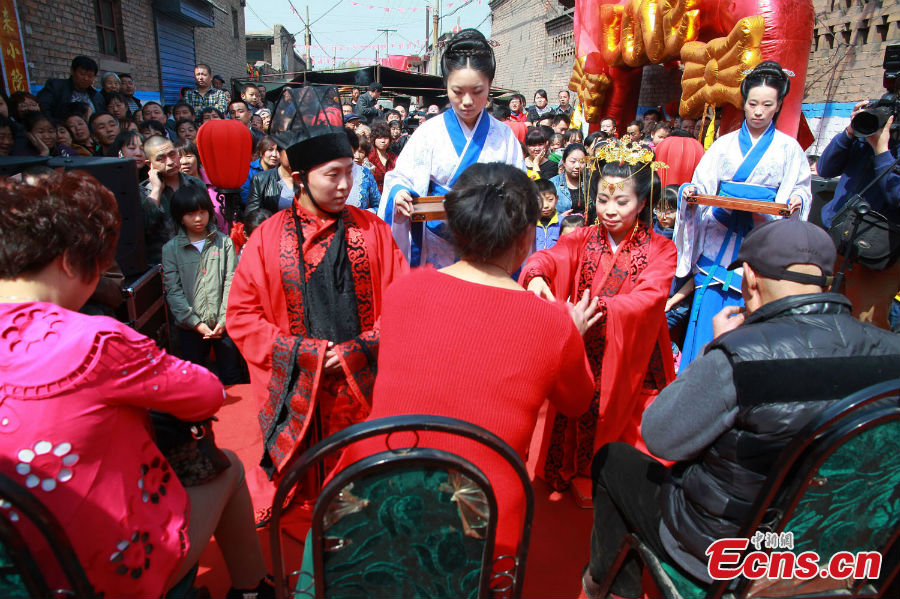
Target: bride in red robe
(630, 268)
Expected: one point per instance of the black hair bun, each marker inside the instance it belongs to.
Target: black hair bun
(470, 42)
(770, 73)
(468, 49)
(490, 205)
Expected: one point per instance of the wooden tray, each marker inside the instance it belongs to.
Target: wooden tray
(428, 208)
(757, 206)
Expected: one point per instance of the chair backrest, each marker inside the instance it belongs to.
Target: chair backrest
(408, 521)
(836, 488)
(20, 573)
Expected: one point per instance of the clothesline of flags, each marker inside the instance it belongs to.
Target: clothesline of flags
(328, 60)
(334, 48)
(414, 9)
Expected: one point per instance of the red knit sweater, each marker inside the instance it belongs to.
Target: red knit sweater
(483, 354)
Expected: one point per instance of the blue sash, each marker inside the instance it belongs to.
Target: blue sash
(469, 151)
(739, 223)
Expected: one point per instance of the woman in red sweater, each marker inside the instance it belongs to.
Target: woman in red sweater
(493, 352)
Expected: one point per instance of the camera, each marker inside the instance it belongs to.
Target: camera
(871, 119)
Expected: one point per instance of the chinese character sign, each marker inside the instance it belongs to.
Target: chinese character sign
(12, 49)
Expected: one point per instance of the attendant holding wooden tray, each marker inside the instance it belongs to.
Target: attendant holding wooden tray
(746, 177)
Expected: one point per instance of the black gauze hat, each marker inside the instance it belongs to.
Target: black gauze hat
(771, 248)
(308, 124)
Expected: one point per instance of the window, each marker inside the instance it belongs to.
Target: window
(110, 39)
(235, 24)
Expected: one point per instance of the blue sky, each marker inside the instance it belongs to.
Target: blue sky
(352, 25)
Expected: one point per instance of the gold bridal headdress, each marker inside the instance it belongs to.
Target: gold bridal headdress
(624, 152)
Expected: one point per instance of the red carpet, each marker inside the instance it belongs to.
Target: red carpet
(561, 530)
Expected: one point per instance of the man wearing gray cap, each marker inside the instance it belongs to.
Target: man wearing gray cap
(768, 372)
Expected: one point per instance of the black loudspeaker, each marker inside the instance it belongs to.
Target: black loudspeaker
(13, 165)
(144, 308)
(120, 177)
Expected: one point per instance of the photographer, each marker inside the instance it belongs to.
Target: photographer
(859, 161)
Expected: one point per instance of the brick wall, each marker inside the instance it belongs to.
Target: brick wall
(219, 47)
(529, 57)
(659, 86)
(849, 38)
(56, 32)
(848, 48)
(140, 45)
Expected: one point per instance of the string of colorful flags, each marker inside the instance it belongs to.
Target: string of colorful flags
(415, 9)
(334, 48)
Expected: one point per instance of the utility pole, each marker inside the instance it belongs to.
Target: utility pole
(308, 40)
(387, 45)
(434, 41)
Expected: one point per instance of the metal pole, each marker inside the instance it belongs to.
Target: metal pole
(434, 41)
(387, 45)
(427, 25)
(308, 40)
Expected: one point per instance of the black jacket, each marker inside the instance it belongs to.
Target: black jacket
(265, 191)
(366, 107)
(57, 93)
(791, 360)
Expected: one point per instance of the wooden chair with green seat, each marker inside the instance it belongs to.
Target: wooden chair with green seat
(408, 521)
(21, 575)
(835, 488)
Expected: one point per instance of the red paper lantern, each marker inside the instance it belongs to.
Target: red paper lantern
(226, 148)
(682, 154)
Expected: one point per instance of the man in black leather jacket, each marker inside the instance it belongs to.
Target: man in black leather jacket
(724, 421)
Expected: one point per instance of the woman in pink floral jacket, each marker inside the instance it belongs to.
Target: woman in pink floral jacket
(74, 399)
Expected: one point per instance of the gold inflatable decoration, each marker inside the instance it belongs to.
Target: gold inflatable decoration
(642, 32)
(713, 71)
(591, 90)
(616, 38)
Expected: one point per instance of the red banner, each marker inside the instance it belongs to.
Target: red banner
(12, 49)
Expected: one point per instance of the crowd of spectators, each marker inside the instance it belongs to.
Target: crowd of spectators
(185, 231)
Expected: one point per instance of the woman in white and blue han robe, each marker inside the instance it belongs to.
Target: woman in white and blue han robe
(757, 162)
(444, 146)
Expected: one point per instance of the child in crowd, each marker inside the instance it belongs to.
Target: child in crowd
(254, 219)
(556, 146)
(539, 167)
(189, 159)
(570, 223)
(678, 306)
(548, 226)
(361, 155)
(240, 234)
(664, 212)
(572, 136)
(198, 264)
(42, 137)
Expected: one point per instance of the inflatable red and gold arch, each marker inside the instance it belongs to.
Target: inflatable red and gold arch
(715, 40)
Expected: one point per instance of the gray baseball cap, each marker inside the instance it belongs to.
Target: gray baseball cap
(774, 246)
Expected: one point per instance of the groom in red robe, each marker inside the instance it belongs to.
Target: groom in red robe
(306, 297)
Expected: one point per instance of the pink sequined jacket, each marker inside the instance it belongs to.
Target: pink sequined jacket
(74, 395)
